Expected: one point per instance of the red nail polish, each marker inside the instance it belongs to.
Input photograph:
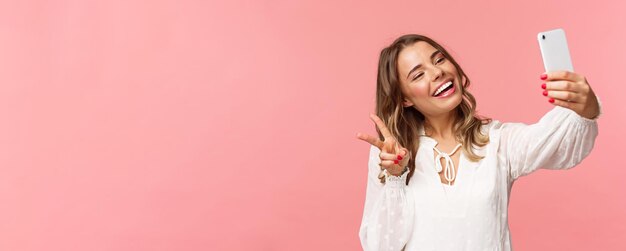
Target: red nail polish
(399, 157)
(543, 76)
(551, 100)
(545, 93)
(543, 86)
(395, 161)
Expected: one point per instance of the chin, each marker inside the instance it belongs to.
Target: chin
(455, 100)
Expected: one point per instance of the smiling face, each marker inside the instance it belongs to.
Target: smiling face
(422, 70)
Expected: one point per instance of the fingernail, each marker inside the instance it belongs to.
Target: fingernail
(545, 93)
(399, 157)
(543, 86)
(395, 161)
(551, 100)
(543, 76)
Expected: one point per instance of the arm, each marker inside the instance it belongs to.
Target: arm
(389, 210)
(560, 140)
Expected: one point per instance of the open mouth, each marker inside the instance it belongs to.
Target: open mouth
(445, 90)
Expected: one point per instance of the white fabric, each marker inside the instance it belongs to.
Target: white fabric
(448, 189)
(472, 214)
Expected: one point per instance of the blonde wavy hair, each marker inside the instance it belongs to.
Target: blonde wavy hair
(404, 122)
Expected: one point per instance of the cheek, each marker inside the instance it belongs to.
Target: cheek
(451, 69)
(419, 91)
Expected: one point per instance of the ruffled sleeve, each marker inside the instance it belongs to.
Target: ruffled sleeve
(389, 210)
(560, 140)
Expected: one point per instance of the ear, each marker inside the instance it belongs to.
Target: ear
(407, 103)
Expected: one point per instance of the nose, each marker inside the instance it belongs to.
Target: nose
(436, 73)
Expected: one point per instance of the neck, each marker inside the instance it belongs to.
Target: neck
(440, 126)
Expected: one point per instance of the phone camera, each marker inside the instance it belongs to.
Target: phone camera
(543, 37)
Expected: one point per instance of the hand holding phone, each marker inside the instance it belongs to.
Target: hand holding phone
(562, 85)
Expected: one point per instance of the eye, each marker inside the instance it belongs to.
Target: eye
(417, 76)
(439, 60)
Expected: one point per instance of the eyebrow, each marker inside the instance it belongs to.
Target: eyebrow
(419, 65)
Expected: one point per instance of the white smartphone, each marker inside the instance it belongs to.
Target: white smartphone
(554, 50)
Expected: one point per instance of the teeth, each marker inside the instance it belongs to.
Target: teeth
(444, 86)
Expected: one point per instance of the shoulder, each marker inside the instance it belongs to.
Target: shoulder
(491, 126)
(497, 129)
(497, 126)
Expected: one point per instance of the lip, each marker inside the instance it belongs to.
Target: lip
(442, 83)
(448, 93)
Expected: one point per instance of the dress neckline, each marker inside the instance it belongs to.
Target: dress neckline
(449, 169)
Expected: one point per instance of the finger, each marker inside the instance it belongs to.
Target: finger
(390, 156)
(564, 103)
(564, 86)
(401, 152)
(562, 75)
(571, 97)
(388, 164)
(404, 152)
(381, 126)
(370, 139)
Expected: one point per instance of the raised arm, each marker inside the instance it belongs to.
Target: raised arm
(389, 208)
(563, 137)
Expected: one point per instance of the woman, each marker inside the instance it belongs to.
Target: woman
(439, 176)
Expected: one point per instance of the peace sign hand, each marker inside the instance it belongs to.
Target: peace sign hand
(392, 155)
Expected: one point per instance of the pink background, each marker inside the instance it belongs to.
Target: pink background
(230, 125)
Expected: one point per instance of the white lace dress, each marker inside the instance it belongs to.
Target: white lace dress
(472, 214)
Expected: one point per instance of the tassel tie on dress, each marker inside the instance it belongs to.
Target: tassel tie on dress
(449, 173)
